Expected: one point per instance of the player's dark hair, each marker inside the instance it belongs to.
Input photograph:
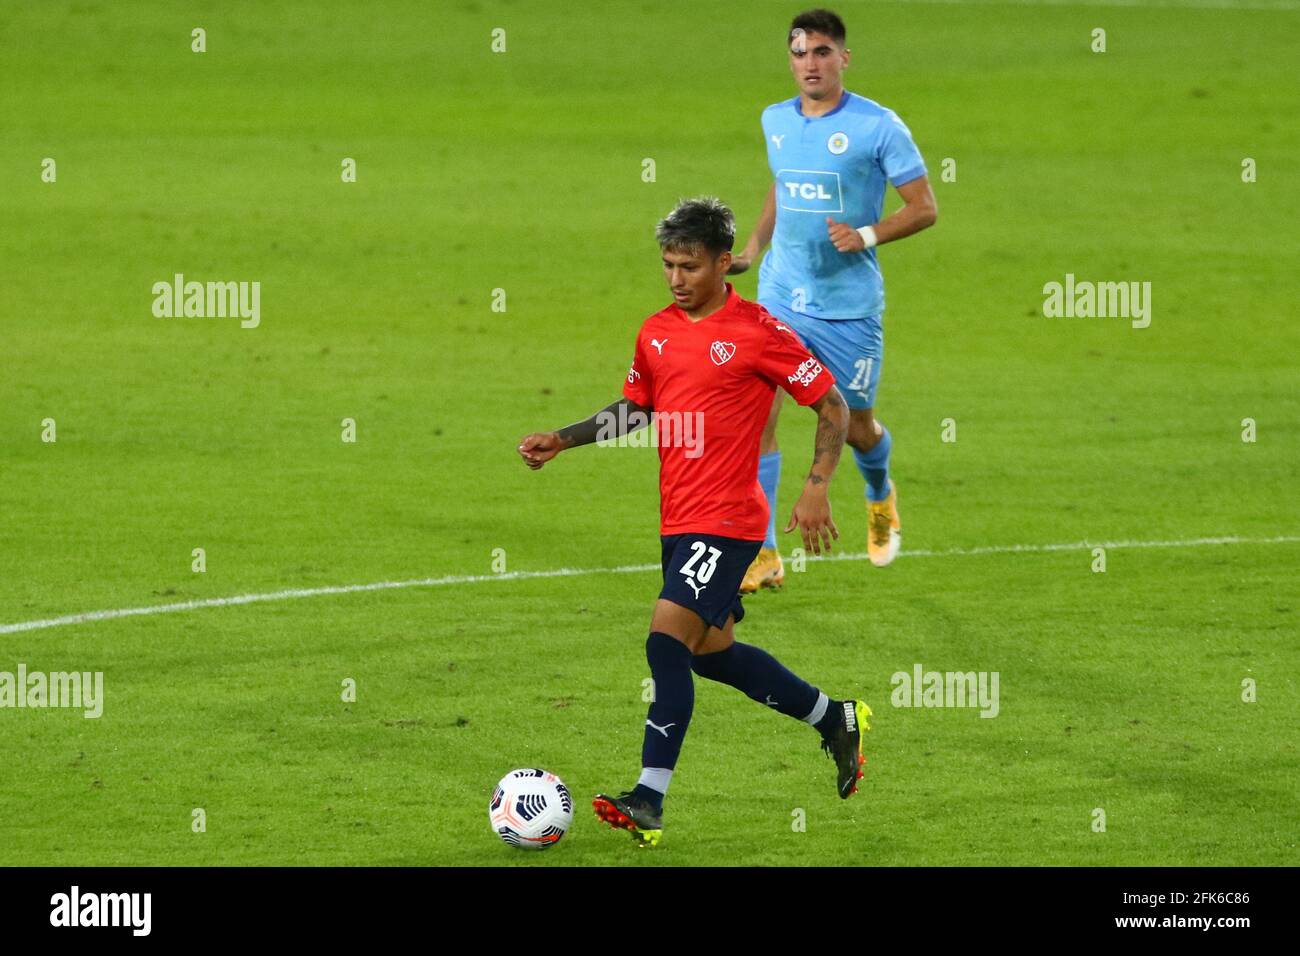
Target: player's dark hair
(695, 224)
(822, 21)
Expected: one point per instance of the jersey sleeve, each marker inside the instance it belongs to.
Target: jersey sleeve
(787, 364)
(898, 156)
(638, 386)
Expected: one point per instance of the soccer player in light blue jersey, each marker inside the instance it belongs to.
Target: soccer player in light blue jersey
(832, 153)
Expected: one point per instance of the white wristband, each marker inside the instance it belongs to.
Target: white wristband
(868, 236)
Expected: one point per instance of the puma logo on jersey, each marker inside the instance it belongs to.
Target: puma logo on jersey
(663, 730)
(697, 590)
(659, 345)
(777, 139)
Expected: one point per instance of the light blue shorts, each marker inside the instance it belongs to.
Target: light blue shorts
(851, 348)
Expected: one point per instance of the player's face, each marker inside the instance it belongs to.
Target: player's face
(817, 62)
(695, 277)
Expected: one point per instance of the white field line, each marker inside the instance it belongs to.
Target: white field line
(293, 593)
(1269, 5)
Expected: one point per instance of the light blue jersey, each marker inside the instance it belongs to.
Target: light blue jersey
(835, 165)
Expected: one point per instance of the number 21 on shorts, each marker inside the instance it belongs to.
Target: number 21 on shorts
(862, 376)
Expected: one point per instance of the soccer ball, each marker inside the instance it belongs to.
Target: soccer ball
(531, 809)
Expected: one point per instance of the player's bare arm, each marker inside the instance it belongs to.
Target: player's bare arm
(760, 237)
(620, 418)
(812, 512)
(919, 211)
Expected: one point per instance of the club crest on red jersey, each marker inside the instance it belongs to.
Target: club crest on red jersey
(721, 352)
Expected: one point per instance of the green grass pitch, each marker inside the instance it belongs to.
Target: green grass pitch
(522, 170)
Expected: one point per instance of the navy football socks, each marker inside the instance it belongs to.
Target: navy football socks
(757, 674)
(669, 715)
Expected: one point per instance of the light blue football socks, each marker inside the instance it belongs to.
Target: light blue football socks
(769, 474)
(874, 466)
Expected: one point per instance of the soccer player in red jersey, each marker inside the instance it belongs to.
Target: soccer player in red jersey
(705, 370)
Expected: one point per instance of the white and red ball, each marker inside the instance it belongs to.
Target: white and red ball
(531, 809)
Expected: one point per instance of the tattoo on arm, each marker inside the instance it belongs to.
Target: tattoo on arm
(620, 418)
(832, 431)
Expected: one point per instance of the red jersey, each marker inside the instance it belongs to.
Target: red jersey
(711, 385)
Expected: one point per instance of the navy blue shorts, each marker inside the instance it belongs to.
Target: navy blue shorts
(703, 572)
